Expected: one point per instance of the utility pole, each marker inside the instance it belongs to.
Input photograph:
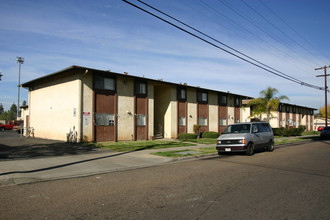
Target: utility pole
(325, 91)
(19, 60)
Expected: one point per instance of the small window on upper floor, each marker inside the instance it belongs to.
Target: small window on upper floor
(294, 109)
(181, 92)
(140, 88)
(202, 97)
(222, 99)
(280, 108)
(287, 108)
(237, 102)
(104, 83)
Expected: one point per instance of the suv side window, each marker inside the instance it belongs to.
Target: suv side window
(255, 128)
(262, 127)
(267, 126)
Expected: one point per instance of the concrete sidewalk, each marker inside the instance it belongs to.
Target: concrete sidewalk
(60, 167)
(20, 171)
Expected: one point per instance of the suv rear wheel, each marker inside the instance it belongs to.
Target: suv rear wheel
(250, 149)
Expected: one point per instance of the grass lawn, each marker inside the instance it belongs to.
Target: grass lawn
(296, 139)
(189, 152)
(122, 146)
(202, 140)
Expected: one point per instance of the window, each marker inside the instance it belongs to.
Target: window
(223, 122)
(140, 88)
(104, 83)
(222, 100)
(181, 94)
(287, 108)
(201, 97)
(237, 102)
(202, 121)
(294, 109)
(104, 119)
(140, 120)
(280, 108)
(182, 121)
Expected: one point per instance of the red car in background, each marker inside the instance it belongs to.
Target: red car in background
(8, 126)
(320, 128)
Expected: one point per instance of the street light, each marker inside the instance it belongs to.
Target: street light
(19, 60)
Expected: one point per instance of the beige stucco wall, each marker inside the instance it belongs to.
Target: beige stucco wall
(170, 119)
(87, 107)
(274, 121)
(191, 110)
(245, 114)
(125, 106)
(213, 112)
(54, 109)
(151, 113)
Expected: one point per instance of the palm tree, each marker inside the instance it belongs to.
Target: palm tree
(266, 103)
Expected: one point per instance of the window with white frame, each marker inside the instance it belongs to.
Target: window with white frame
(223, 122)
(202, 121)
(182, 121)
(140, 120)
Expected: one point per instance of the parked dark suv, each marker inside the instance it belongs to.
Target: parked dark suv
(246, 137)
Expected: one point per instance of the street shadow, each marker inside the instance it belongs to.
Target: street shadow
(72, 163)
(33, 151)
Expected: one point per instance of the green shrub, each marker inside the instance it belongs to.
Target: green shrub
(279, 131)
(185, 136)
(196, 128)
(302, 128)
(210, 134)
(289, 132)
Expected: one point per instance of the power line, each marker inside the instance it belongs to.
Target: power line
(256, 36)
(231, 53)
(258, 26)
(215, 39)
(273, 25)
(290, 27)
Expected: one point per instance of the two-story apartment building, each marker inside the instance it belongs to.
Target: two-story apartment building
(85, 104)
(290, 115)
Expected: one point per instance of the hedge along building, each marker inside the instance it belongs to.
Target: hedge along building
(290, 116)
(84, 104)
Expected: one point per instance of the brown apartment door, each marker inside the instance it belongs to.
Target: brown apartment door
(141, 128)
(141, 110)
(105, 117)
(182, 112)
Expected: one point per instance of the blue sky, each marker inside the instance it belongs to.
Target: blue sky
(53, 35)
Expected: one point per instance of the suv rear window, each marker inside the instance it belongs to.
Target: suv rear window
(239, 128)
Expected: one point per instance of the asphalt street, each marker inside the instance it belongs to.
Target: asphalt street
(292, 182)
